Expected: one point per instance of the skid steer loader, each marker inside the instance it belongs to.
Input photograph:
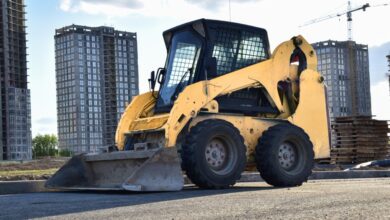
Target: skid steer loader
(224, 104)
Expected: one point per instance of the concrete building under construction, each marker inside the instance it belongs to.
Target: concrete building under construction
(96, 75)
(388, 73)
(345, 67)
(15, 111)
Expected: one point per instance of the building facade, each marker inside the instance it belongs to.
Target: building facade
(15, 114)
(345, 67)
(96, 77)
(388, 73)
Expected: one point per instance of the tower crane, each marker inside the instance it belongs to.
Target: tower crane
(347, 12)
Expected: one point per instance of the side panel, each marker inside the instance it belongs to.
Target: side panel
(140, 106)
(311, 113)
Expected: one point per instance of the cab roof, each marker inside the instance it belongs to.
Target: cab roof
(202, 26)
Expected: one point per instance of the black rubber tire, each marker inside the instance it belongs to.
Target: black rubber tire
(193, 154)
(268, 152)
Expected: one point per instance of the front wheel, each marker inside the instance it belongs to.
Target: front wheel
(213, 154)
(284, 155)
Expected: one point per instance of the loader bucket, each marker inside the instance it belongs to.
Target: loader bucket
(146, 170)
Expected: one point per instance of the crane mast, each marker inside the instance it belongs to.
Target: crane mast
(348, 12)
(349, 17)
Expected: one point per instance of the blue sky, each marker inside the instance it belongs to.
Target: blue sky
(149, 18)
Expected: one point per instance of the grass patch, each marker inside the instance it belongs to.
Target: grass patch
(28, 172)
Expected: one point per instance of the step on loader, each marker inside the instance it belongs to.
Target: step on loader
(224, 104)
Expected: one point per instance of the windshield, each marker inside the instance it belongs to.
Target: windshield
(182, 60)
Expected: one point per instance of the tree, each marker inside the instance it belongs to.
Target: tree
(45, 145)
(65, 153)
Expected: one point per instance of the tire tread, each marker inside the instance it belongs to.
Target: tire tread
(190, 163)
(266, 166)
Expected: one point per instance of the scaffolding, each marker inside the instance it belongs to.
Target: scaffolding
(15, 115)
(388, 73)
(110, 98)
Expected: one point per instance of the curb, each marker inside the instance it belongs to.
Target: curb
(14, 187)
(25, 186)
(322, 175)
(353, 174)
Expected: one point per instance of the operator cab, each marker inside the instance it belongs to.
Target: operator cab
(205, 49)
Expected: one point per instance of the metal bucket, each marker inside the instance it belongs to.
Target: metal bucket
(146, 170)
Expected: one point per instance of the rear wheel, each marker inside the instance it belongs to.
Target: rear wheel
(284, 156)
(213, 154)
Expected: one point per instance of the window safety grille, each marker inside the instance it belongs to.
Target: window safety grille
(184, 59)
(234, 49)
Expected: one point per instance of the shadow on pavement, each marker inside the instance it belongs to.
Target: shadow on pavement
(35, 205)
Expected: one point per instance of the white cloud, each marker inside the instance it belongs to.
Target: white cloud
(380, 100)
(180, 9)
(216, 4)
(118, 3)
(109, 8)
(65, 5)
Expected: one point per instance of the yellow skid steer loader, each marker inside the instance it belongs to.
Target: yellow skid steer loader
(224, 104)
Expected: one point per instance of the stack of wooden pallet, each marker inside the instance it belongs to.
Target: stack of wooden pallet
(359, 139)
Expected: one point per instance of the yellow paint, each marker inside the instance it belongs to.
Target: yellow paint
(141, 106)
(311, 113)
(149, 123)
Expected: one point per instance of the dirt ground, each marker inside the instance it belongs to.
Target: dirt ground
(30, 170)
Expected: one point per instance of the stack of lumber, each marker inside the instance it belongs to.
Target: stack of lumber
(359, 139)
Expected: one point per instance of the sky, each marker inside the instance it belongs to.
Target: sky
(149, 18)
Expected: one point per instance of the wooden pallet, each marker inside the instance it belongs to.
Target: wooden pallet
(359, 139)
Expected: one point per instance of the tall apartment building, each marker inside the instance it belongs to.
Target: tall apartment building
(344, 65)
(15, 114)
(96, 76)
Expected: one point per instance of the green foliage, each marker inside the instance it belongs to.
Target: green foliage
(45, 145)
(65, 153)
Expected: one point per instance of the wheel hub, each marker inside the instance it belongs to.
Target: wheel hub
(286, 155)
(215, 154)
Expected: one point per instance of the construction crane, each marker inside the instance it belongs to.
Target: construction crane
(347, 12)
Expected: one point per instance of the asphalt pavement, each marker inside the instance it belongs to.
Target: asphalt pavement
(317, 199)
